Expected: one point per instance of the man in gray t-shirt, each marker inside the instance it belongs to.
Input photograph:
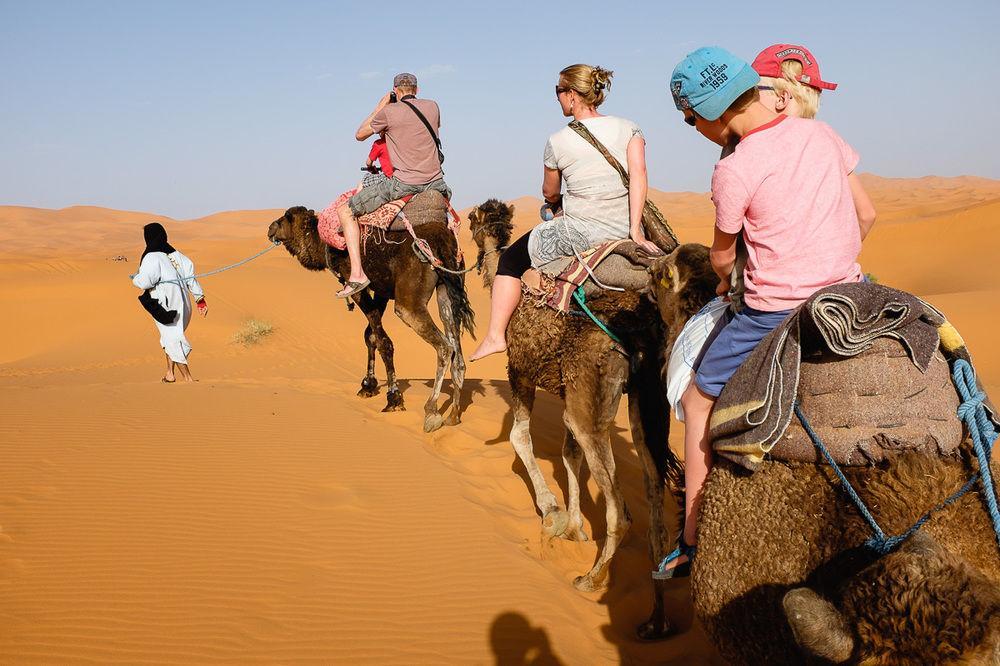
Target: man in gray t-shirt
(416, 160)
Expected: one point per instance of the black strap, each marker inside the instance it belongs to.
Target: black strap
(437, 141)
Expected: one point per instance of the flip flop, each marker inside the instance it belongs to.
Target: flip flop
(352, 288)
(167, 381)
(682, 570)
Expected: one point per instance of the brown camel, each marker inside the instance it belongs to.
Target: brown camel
(397, 274)
(781, 575)
(571, 357)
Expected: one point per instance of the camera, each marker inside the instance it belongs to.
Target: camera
(392, 98)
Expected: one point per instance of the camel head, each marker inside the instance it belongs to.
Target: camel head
(682, 283)
(492, 225)
(296, 230)
(917, 605)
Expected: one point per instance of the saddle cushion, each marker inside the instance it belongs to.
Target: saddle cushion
(873, 405)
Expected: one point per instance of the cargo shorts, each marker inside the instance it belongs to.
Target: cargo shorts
(370, 199)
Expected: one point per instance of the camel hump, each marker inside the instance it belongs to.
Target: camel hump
(868, 407)
(424, 208)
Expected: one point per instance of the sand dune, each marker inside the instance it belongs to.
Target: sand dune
(268, 515)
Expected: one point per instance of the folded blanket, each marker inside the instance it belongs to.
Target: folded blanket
(755, 408)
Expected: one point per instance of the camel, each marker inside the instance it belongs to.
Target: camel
(571, 357)
(781, 575)
(397, 274)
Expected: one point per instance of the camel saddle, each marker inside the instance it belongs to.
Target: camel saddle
(870, 369)
(619, 264)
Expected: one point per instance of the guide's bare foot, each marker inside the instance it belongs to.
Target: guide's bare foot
(167, 380)
(488, 347)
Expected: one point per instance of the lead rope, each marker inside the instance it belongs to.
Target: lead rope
(181, 281)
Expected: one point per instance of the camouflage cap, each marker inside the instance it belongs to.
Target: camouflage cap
(404, 79)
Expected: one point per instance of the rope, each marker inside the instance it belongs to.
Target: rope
(972, 412)
(581, 299)
(181, 281)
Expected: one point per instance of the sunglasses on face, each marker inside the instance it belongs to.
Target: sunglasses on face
(771, 88)
(560, 90)
(691, 120)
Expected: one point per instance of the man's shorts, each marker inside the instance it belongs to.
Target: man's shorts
(369, 199)
(737, 336)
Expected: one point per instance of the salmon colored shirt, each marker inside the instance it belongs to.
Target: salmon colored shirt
(785, 187)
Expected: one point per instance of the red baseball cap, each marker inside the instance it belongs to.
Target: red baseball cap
(768, 63)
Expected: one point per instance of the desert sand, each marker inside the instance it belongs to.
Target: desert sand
(266, 514)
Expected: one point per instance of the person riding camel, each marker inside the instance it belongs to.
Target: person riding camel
(596, 208)
(410, 128)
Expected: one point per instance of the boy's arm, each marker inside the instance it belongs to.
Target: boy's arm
(862, 204)
(723, 258)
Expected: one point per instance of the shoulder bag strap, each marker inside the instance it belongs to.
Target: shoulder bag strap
(582, 130)
(437, 141)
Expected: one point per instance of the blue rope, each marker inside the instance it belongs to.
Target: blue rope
(879, 542)
(181, 281)
(972, 412)
(581, 299)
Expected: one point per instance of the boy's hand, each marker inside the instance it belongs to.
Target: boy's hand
(723, 289)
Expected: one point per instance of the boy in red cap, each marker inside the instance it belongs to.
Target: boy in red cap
(790, 81)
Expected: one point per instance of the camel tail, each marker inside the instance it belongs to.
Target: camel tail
(465, 317)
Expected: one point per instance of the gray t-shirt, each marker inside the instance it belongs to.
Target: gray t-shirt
(412, 150)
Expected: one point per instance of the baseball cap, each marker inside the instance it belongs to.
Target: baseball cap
(404, 79)
(768, 63)
(709, 80)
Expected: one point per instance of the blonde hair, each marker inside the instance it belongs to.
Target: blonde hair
(806, 96)
(588, 81)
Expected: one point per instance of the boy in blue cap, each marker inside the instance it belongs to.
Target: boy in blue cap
(785, 190)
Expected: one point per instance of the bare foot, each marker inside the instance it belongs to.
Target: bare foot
(169, 379)
(487, 347)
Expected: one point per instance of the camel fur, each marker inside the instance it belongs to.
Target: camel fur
(571, 357)
(397, 274)
(781, 575)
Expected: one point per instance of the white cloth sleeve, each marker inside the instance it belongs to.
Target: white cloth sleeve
(192, 283)
(549, 157)
(149, 273)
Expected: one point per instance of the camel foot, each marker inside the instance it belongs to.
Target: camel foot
(433, 421)
(454, 418)
(655, 630)
(394, 401)
(559, 524)
(369, 388)
(589, 583)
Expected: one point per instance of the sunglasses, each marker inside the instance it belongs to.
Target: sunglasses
(771, 88)
(691, 120)
(560, 90)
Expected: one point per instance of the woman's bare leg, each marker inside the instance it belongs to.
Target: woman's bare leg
(353, 237)
(185, 372)
(505, 297)
(169, 376)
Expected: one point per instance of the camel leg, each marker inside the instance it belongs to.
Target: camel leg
(419, 319)
(453, 334)
(590, 412)
(554, 519)
(374, 308)
(369, 385)
(572, 456)
(658, 625)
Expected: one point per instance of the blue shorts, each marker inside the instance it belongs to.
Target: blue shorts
(730, 344)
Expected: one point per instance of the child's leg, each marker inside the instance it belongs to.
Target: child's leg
(697, 455)
(353, 237)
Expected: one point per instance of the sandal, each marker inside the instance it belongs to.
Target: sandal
(682, 570)
(167, 381)
(352, 288)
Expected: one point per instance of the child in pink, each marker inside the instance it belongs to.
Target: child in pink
(785, 189)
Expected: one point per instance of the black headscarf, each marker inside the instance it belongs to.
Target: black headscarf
(156, 239)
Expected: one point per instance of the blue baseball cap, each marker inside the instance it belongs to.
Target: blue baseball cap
(709, 80)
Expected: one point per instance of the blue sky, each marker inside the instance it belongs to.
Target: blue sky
(187, 108)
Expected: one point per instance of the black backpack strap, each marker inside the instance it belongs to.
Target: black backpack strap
(423, 119)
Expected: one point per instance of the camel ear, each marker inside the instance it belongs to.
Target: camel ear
(473, 214)
(510, 207)
(819, 628)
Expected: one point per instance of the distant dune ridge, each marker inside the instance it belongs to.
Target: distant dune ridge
(277, 518)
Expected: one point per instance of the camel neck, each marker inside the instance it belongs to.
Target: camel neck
(491, 259)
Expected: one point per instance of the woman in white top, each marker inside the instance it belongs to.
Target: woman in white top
(596, 206)
(169, 276)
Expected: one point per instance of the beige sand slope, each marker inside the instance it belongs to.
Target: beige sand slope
(267, 515)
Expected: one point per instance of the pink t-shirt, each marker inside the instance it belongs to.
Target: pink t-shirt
(785, 187)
